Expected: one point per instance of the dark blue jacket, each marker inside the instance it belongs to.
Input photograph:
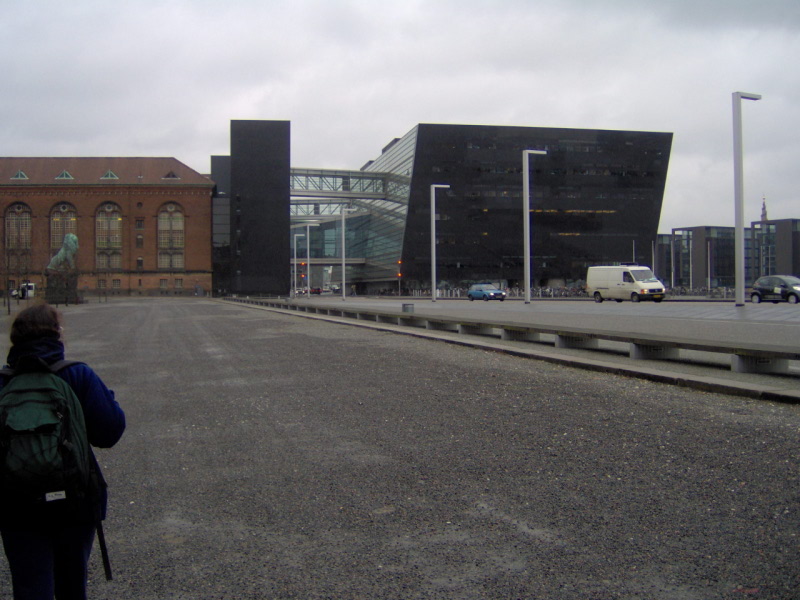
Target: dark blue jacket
(105, 420)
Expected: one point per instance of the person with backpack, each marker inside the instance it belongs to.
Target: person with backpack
(52, 493)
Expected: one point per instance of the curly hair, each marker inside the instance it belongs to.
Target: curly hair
(37, 321)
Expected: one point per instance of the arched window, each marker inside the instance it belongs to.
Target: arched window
(63, 220)
(18, 227)
(170, 237)
(108, 237)
(18, 238)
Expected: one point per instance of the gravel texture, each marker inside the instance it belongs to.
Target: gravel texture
(271, 456)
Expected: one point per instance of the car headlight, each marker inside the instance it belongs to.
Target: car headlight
(796, 287)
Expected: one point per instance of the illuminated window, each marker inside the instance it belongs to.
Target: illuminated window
(18, 238)
(18, 227)
(63, 220)
(108, 231)
(170, 237)
(108, 236)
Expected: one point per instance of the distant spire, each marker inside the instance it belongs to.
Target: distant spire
(764, 209)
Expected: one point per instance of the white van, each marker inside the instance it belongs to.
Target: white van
(625, 282)
(27, 290)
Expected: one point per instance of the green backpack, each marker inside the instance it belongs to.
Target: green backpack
(45, 459)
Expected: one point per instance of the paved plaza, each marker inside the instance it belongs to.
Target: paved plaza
(271, 456)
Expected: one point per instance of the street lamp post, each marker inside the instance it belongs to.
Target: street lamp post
(308, 254)
(672, 260)
(294, 264)
(526, 218)
(434, 187)
(738, 190)
(344, 211)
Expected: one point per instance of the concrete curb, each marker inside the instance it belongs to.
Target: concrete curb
(788, 394)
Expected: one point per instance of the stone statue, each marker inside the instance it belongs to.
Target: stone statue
(66, 255)
(62, 273)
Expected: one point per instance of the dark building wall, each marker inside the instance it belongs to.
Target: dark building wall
(775, 248)
(662, 264)
(221, 167)
(596, 199)
(259, 180)
(221, 224)
(787, 247)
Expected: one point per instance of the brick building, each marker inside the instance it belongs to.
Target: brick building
(143, 224)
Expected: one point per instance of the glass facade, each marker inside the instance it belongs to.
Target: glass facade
(595, 199)
(705, 257)
(764, 247)
(721, 257)
(776, 247)
(378, 201)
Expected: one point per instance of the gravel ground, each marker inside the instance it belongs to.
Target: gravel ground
(270, 456)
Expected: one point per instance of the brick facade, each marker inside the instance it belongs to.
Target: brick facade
(138, 192)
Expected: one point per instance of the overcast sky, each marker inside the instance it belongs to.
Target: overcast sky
(166, 77)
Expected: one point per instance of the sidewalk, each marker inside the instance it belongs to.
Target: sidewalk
(697, 370)
(274, 457)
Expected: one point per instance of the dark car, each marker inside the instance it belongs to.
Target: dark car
(776, 288)
(316, 290)
(485, 291)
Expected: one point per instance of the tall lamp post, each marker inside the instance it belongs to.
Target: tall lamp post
(526, 218)
(344, 261)
(434, 187)
(308, 253)
(294, 264)
(738, 190)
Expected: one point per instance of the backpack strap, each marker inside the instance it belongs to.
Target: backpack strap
(62, 364)
(57, 366)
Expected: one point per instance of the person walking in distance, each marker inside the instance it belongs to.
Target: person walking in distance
(52, 493)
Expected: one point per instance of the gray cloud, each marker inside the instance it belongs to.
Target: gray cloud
(166, 77)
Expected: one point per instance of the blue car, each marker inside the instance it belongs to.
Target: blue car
(485, 291)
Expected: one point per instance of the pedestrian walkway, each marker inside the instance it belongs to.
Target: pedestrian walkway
(709, 371)
(270, 456)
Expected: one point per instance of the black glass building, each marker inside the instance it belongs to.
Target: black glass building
(258, 174)
(595, 199)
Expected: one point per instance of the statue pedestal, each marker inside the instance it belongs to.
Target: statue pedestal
(61, 288)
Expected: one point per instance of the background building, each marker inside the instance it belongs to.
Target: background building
(253, 187)
(596, 199)
(775, 247)
(704, 257)
(143, 224)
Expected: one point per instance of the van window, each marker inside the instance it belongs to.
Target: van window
(626, 277)
(645, 275)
